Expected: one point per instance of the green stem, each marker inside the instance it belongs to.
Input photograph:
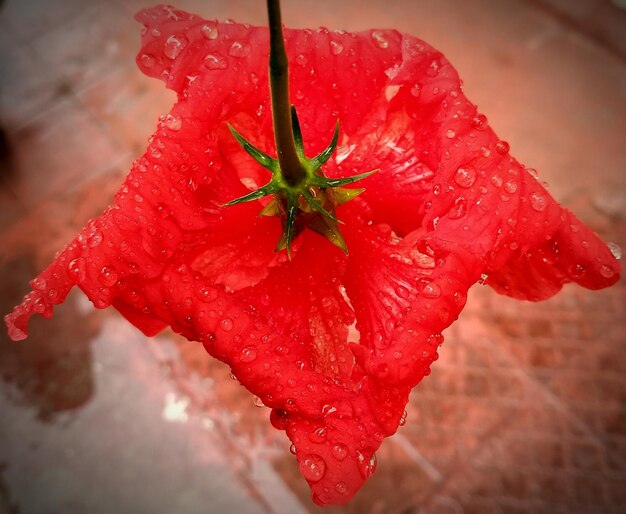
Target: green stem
(290, 165)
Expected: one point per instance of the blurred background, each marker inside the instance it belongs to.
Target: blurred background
(525, 411)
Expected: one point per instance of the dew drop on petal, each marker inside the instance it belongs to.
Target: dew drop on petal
(340, 451)
(248, 353)
(465, 177)
(215, 62)
(292, 449)
(108, 276)
(496, 180)
(538, 202)
(174, 46)
(38, 283)
(301, 59)
(416, 90)
(341, 487)
(533, 172)
(313, 467)
(258, 402)
(336, 47)
(510, 186)
(502, 147)
(173, 122)
(238, 49)
(380, 39)
(606, 271)
(147, 60)
(366, 466)
(209, 31)
(615, 250)
(576, 270)
(226, 324)
(431, 290)
(95, 239)
(450, 134)
(479, 121)
(74, 267)
(433, 70)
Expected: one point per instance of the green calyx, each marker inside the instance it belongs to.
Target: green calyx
(310, 200)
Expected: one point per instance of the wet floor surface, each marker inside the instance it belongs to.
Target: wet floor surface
(525, 411)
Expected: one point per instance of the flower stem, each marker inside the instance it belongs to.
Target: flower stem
(291, 168)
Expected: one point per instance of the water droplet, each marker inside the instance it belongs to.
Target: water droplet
(450, 133)
(209, 31)
(313, 467)
(301, 59)
(585, 244)
(431, 290)
(108, 276)
(95, 239)
(502, 147)
(258, 402)
(155, 152)
(496, 180)
(340, 451)
(248, 353)
(533, 172)
(458, 209)
(341, 487)
(226, 324)
(238, 49)
(74, 267)
(292, 449)
(479, 121)
(606, 271)
(366, 466)
(147, 60)
(615, 250)
(174, 46)
(215, 62)
(38, 283)
(173, 122)
(576, 271)
(433, 69)
(336, 47)
(538, 202)
(510, 186)
(465, 177)
(380, 39)
(416, 90)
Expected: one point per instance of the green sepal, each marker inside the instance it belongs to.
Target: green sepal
(322, 157)
(271, 209)
(262, 158)
(290, 222)
(266, 190)
(337, 182)
(318, 206)
(297, 133)
(345, 195)
(329, 229)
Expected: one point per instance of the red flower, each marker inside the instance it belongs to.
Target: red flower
(448, 206)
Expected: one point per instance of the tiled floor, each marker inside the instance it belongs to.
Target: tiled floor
(525, 412)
